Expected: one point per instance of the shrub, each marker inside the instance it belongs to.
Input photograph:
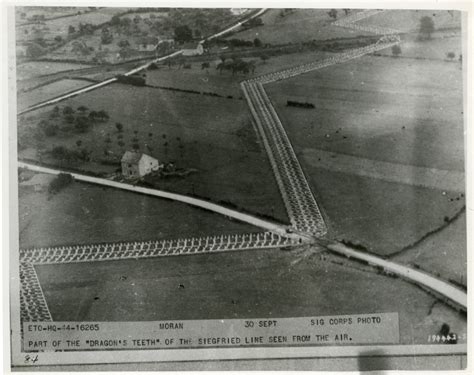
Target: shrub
(426, 27)
(48, 129)
(396, 50)
(82, 124)
(34, 50)
(132, 80)
(60, 182)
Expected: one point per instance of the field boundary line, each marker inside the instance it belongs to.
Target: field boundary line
(135, 70)
(209, 206)
(431, 178)
(447, 290)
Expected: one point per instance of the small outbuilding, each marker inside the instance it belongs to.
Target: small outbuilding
(190, 49)
(137, 164)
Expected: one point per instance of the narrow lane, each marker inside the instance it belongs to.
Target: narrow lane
(439, 286)
(135, 70)
(247, 218)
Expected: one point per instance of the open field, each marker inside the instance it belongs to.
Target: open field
(255, 283)
(383, 217)
(302, 25)
(84, 213)
(435, 48)
(394, 110)
(373, 119)
(213, 137)
(49, 29)
(210, 80)
(53, 28)
(49, 91)
(443, 253)
(409, 20)
(39, 68)
(26, 14)
(446, 180)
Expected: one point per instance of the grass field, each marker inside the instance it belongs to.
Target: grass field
(364, 108)
(85, 213)
(210, 80)
(436, 48)
(305, 25)
(213, 136)
(40, 94)
(409, 20)
(443, 254)
(34, 69)
(24, 13)
(382, 216)
(250, 284)
(60, 26)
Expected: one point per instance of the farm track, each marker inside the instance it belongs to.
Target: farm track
(303, 211)
(206, 205)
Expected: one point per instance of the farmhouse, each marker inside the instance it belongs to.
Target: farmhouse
(190, 49)
(147, 44)
(136, 164)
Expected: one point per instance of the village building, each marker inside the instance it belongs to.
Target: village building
(238, 11)
(190, 49)
(137, 164)
(147, 44)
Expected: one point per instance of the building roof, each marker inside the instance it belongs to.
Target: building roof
(39, 179)
(189, 45)
(132, 157)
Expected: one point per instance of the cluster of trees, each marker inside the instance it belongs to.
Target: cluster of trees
(80, 47)
(116, 20)
(257, 21)
(83, 29)
(396, 50)
(106, 36)
(124, 43)
(332, 13)
(427, 27)
(65, 154)
(47, 128)
(80, 119)
(35, 50)
(233, 43)
(201, 21)
(135, 80)
(60, 182)
(286, 11)
(236, 65)
(451, 55)
(183, 34)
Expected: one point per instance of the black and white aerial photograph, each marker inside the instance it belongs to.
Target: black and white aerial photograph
(238, 178)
